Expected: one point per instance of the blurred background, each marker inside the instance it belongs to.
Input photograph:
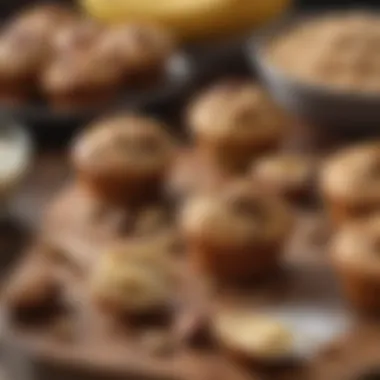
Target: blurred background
(212, 41)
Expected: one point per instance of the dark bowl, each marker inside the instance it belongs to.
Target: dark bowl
(321, 106)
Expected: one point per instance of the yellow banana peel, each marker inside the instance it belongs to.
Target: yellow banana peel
(190, 19)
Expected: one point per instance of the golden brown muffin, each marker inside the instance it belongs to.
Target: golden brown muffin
(251, 337)
(133, 279)
(236, 234)
(143, 49)
(82, 79)
(25, 47)
(288, 175)
(351, 182)
(355, 254)
(235, 121)
(125, 158)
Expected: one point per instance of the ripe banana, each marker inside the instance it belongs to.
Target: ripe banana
(190, 19)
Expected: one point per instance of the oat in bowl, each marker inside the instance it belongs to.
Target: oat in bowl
(323, 68)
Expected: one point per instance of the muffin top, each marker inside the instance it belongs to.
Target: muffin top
(235, 111)
(237, 216)
(354, 175)
(81, 71)
(128, 144)
(134, 277)
(358, 244)
(25, 43)
(334, 50)
(284, 172)
(139, 46)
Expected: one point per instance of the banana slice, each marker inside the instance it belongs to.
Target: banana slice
(254, 337)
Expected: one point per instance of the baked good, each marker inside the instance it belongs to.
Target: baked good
(237, 233)
(288, 175)
(144, 50)
(235, 121)
(124, 158)
(252, 337)
(82, 79)
(350, 182)
(133, 279)
(25, 47)
(355, 256)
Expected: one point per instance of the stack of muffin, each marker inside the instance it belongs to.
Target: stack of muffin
(55, 53)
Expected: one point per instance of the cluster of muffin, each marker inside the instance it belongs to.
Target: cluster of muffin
(233, 232)
(52, 52)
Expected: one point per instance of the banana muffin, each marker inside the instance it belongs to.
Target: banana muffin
(82, 79)
(235, 121)
(124, 159)
(351, 182)
(355, 252)
(237, 233)
(26, 47)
